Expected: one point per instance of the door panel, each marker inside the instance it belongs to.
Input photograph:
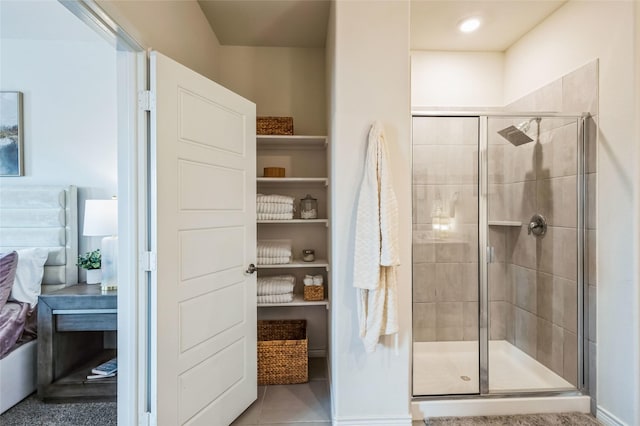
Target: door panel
(204, 234)
(445, 256)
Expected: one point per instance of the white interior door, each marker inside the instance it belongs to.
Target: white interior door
(203, 217)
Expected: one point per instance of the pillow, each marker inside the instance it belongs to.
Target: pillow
(29, 273)
(8, 265)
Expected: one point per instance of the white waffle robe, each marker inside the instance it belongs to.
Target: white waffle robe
(376, 246)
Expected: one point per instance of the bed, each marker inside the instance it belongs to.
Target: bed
(33, 218)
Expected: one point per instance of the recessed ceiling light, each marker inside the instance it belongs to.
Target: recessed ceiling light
(469, 25)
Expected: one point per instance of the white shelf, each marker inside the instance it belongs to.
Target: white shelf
(298, 300)
(295, 180)
(504, 223)
(289, 221)
(291, 141)
(297, 263)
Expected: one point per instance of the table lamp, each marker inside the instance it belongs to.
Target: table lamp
(101, 220)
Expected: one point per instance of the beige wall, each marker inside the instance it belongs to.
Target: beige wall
(456, 79)
(177, 29)
(369, 81)
(574, 35)
(282, 81)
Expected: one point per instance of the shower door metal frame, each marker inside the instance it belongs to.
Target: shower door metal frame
(483, 255)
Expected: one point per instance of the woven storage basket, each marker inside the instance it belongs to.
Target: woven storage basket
(274, 125)
(274, 172)
(313, 292)
(282, 352)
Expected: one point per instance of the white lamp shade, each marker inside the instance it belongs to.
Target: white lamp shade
(100, 218)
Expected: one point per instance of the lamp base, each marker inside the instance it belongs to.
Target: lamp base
(109, 262)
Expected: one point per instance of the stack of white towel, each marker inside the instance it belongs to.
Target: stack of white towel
(274, 207)
(273, 252)
(276, 289)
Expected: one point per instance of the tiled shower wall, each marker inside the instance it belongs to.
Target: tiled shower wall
(445, 269)
(541, 273)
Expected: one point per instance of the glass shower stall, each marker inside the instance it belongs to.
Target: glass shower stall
(498, 254)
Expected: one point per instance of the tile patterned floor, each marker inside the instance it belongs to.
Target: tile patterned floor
(307, 404)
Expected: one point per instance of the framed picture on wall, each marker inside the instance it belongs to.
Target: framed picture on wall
(11, 163)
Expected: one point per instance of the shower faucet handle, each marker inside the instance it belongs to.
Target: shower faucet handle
(537, 225)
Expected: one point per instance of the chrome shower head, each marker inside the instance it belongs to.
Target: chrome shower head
(517, 135)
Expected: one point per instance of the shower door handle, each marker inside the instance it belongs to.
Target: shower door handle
(491, 253)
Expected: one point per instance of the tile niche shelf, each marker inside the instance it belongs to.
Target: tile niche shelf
(504, 223)
(305, 160)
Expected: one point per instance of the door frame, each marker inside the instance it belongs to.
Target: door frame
(133, 399)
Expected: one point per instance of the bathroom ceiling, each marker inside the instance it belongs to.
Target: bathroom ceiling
(303, 23)
(434, 24)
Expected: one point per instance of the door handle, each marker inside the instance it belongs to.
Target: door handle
(251, 269)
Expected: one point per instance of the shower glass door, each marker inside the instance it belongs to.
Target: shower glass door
(533, 236)
(445, 256)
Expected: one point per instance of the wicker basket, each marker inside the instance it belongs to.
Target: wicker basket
(274, 172)
(313, 292)
(282, 352)
(274, 125)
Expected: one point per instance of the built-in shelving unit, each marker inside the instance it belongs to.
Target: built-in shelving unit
(305, 160)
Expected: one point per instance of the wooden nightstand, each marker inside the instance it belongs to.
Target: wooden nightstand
(71, 326)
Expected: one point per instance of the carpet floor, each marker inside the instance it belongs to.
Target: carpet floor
(564, 419)
(32, 412)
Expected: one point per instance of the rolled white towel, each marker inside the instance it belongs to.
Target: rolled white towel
(273, 249)
(274, 198)
(313, 280)
(274, 208)
(276, 298)
(275, 216)
(279, 284)
(274, 260)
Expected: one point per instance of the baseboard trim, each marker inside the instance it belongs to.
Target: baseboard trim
(608, 419)
(365, 421)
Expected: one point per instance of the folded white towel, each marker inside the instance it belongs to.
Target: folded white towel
(274, 198)
(273, 260)
(275, 216)
(279, 284)
(276, 298)
(273, 249)
(274, 208)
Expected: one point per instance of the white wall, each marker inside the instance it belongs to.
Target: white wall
(576, 34)
(282, 81)
(369, 80)
(176, 28)
(70, 112)
(456, 79)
